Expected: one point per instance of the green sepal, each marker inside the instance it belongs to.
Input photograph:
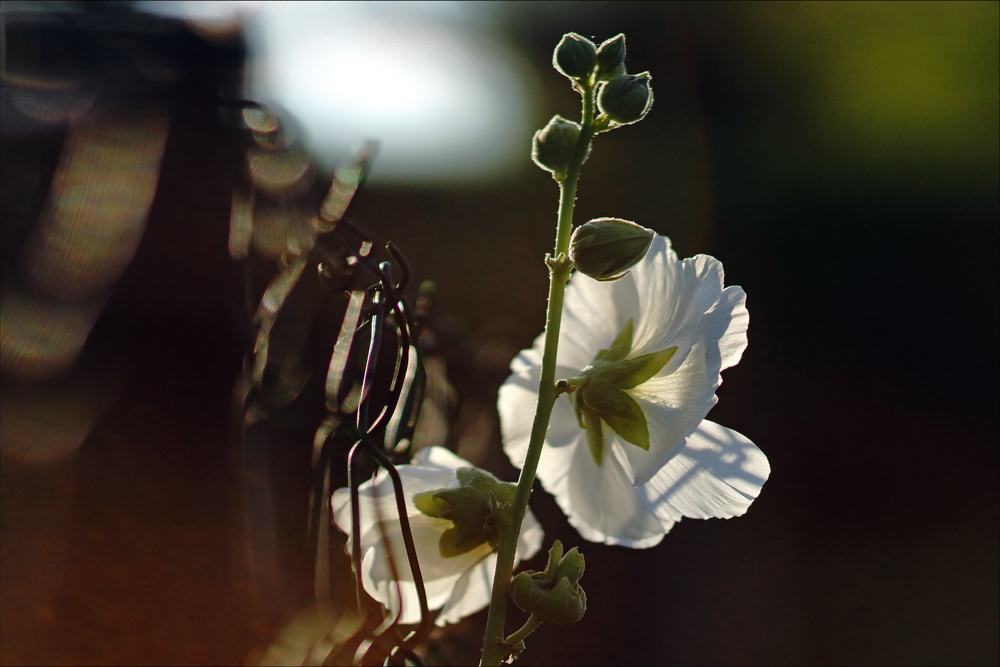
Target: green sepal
(570, 567)
(606, 399)
(484, 481)
(595, 438)
(620, 346)
(651, 364)
(476, 508)
(469, 521)
(630, 373)
(599, 401)
(600, 394)
(632, 429)
(429, 504)
(576, 401)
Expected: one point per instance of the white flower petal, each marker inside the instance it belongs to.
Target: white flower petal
(725, 330)
(710, 277)
(667, 426)
(672, 293)
(599, 501)
(415, 480)
(439, 457)
(471, 592)
(516, 404)
(439, 574)
(593, 314)
(717, 474)
(526, 359)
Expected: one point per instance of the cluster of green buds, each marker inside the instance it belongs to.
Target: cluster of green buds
(554, 595)
(606, 248)
(623, 98)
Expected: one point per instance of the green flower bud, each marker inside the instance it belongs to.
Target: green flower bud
(611, 58)
(476, 508)
(606, 248)
(627, 98)
(554, 595)
(575, 56)
(553, 146)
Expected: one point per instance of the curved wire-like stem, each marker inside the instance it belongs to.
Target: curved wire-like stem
(374, 310)
(387, 301)
(495, 648)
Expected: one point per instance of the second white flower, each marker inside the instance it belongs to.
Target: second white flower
(630, 452)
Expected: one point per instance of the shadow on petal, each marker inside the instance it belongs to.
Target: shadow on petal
(717, 474)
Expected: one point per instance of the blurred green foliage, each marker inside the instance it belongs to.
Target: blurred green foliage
(892, 85)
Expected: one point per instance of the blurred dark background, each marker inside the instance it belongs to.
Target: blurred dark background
(841, 159)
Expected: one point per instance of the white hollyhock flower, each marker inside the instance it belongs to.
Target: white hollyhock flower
(629, 452)
(459, 585)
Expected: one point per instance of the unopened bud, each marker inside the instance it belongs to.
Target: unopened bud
(554, 595)
(626, 98)
(575, 56)
(611, 58)
(606, 248)
(553, 146)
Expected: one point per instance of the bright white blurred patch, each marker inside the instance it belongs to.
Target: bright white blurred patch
(445, 100)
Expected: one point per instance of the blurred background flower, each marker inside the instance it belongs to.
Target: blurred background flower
(840, 158)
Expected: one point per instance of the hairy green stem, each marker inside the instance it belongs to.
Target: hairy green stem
(532, 624)
(559, 271)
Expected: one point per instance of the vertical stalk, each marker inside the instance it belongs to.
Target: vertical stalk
(494, 649)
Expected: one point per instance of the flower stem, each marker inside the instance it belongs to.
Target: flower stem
(559, 272)
(532, 624)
